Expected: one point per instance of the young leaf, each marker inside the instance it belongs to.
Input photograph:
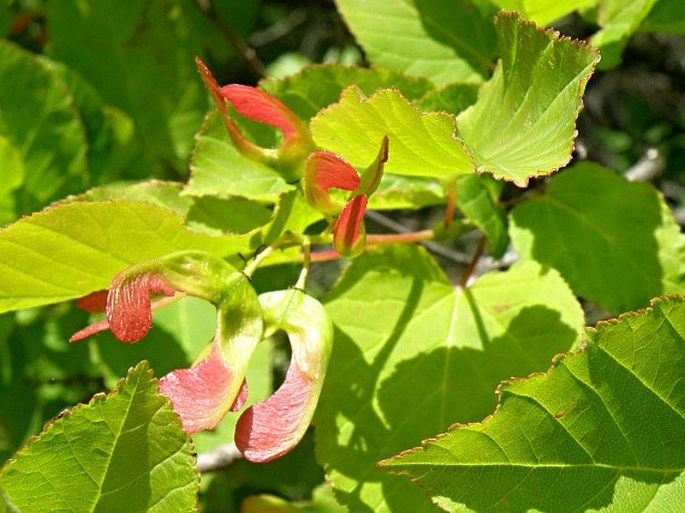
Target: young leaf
(601, 430)
(444, 41)
(125, 450)
(70, 250)
(523, 123)
(354, 126)
(411, 353)
(617, 252)
(316, 87)
(219, 169)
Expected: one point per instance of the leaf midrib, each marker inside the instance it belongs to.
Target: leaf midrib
(117, 438)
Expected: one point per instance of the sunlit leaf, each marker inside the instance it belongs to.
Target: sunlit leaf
(84, 461)
(443, 40)
(70, 250)
(523, 123)
(351, 126)
(600, 430)
(411, 353)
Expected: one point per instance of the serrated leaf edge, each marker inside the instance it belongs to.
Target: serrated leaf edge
(353, 88)
(600, 327)
(145, 369)
(556, 35)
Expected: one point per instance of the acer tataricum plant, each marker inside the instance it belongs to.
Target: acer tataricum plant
(260, 296)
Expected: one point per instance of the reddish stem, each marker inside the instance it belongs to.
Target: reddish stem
(394, 238)
(373, 240)
(472, 264)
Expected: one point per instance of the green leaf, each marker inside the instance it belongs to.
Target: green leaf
(39, 120)
(452, 98)
(544, 11)
(316, 87)
(126, 448)
(600, 431)
(40, 372)
(355, 126)
(5, 18)
(215, 216)
(617, 252)
(227, 216)
(139, 56)
(523, 123)
(618, 19)
(12, 166)
(666, 16)
(478, 204)
(218, 169)
(67, 251)
(398, 320)
(112, 149)
(443, 40)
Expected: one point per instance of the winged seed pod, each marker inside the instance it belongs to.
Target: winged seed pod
(202, 394)
(271, 428)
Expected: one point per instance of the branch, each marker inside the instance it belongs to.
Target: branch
(247, 53)
(433, 247)
(647, 168)
(219, 458)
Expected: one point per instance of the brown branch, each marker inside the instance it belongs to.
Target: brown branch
(246, 52)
